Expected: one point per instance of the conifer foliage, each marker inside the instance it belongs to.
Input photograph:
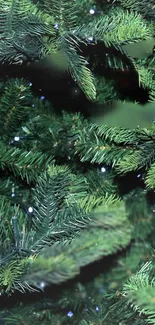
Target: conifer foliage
(73, 193)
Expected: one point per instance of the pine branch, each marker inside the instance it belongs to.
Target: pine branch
(140, 214)
(77, 66)
(125, 150)
(150, 177)
(102, 236)
(135, 301)
(117, 28)
(125, 266)
(17, 92)
(64, 13)
(57, 215)
(22, 26)
(145, 8)
(26, 164)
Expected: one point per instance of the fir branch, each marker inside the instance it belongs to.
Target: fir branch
(116, 135)
(138, 253)
(126, 150)
(96, 28)
(150, 177)
(14, 106)
(105, 90)
(101, 184)
(137, 160)
(146, 79)
(139, 291)
(130, 28)
(10, 274)
(22, 26)
(92, 148)
(12, 13)
(57, 215)
(145, 8)
(65, 13)
(77, 68)
(102, 236)
(89, 202)
(140, 214)
(26, 164)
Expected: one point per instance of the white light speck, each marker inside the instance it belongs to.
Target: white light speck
(42, 97)
(16, 138)
(42, 284)
(92, 11)
(30, 209)
(56, 26)
(90, 38)
(70, 314)
(103, 169)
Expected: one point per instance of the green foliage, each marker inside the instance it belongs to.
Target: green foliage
(10, 274)
(130, 28)
(61, 13)
(126, 266)
(17, 92)
(145, 8)
(21, 25)
(124, 149)
(78, 216)
(105, 90)
(57, 214)
(114, 29)
(150, 178)
(107, 231)
(23, 164)
(81, 74)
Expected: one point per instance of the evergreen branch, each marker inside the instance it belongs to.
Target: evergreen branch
(127, 265)
(5, 186)
(89, 202)
(128, 303)
(92, 148)
(23, 315)
(76, 185)
(22, 30)
(26, 164)
(116, 63)
(130, 28)
(14, 236)
(17, 92)
(116, 134)
(137, 160)
(140, 214)
(6, 213)
(77, 68)
(146, 79)
(150, 177)
(126, 150)
(65, 13)
(140, 292)
(101, 184)
(145, 8)
(12, 14)
(102, 236)
(105, 90)
(96, 28)
(10, 274)
(57, 215)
